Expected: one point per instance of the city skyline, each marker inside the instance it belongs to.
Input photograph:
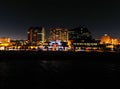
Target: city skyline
(48, 36)
(99, 17)
(48, 33)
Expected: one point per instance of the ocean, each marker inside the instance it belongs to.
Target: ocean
(54, 72)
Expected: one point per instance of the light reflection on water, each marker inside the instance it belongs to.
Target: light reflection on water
(55, 66)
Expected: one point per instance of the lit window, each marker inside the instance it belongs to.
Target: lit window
(39, 33)
(34, 34)
(74, 43)
(28, 32)
(80, 43)
(88, 44)
(77, 43)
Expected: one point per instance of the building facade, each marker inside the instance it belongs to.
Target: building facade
(81, 39)
(80, 33)
(58, 34)
(4, 43)
(36, 34)
(4, 40)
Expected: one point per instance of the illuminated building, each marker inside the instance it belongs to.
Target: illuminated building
(109, 43)
(81, 39)
(4, 42)
(58, 34)
(36, 34)
(106, 39)
(93, 45)
(57, 46)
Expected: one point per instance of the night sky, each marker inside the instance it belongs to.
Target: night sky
(98, 16)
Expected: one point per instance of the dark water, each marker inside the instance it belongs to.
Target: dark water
(56, 74)
(52, 70)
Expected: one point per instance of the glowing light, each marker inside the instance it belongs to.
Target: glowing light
(108, 40)
(105, 39)
(5, 44)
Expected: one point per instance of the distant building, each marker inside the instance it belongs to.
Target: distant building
(81, 39)
(36, 34)
(4, 40)
(80, 33)
(109, 43)
(106, 39)
(58, 34)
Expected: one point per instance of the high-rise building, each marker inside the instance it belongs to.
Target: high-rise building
(80, 39)
(80, 33)
(58, 34)
(36, 34)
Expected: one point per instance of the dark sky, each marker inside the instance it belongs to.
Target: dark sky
(98, 16)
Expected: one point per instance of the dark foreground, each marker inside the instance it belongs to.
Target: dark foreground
(59, 70)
